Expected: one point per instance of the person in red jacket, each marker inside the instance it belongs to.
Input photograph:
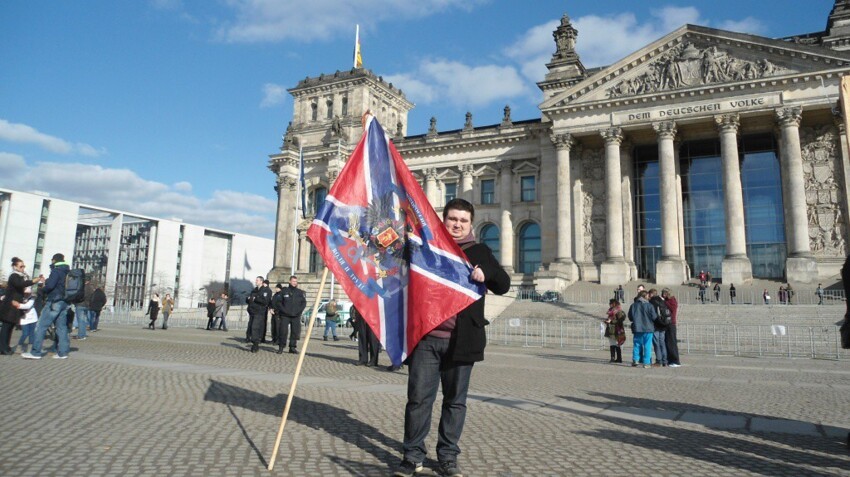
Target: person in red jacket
(670, 336)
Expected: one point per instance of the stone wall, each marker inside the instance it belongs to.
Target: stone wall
(824, 185)
(593, 202)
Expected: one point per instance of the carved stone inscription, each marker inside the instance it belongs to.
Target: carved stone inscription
(593, 205)
(821, 160)
(687, 66)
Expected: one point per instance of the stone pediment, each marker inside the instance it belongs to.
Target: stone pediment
(695, 57)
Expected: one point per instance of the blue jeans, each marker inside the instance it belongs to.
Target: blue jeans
(81, 314)
(642, 352)
(27, 331)
(54, 313)
(330, 324)
(432, 365)
(659, 343)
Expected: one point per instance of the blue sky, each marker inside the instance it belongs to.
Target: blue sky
(170, 108)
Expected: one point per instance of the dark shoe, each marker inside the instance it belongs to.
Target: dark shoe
(279, 351)
(336, 339)
(449, 469)
(408, 469)
(223, 329)
(293, 351)
(325, 338)
(634, 364)
(255, 348)
(391, 368)
(656, 365)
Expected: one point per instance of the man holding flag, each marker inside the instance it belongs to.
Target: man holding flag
(446, 355)
(412, 278)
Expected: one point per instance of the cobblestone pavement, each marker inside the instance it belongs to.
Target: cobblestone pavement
(191, 402)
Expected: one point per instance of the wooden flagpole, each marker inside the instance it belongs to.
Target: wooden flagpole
(298, 368)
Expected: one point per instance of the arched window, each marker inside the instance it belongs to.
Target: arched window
(529, 248)
(314, 115)
(317, 198)
(345, 106)
(490, 238)
(330, 103)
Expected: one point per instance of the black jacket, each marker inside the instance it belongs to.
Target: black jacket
(15, 291)
(98, 300)
(259, 300)
(469, 338)
(294, 301)
(277, 303)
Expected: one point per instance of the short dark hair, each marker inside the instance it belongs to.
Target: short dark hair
(293, 276)
(16, 261)
(459, 204)
(261, 277)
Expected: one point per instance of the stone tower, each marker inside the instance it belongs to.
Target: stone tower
(326, 126)
(565, 68)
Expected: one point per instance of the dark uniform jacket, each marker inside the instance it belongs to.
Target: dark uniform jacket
(294, 301)
(468, 337)
(259, 300)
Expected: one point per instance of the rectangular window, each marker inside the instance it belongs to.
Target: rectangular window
(488, 191)
(451, 191)
(529, 189)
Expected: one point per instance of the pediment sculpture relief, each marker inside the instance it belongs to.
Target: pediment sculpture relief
(687, 66)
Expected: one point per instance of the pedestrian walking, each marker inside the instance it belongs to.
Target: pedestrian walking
(732, 293)
(153, 310)
(717, 292)
(819, 293)
(210, 313)
(98, 301)
(167, 309)
(766, 297)
(222, 303)
(331, 315)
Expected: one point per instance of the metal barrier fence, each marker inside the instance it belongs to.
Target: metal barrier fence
(788, 341)
(237, 317)
(689, 296)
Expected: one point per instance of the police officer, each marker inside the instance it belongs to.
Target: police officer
(258, 303)
(294, 302)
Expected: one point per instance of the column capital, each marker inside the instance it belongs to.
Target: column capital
(506, 166)
(430, 173)
(466, 169)
(562, 141)
(790, 116)
(286, 183)
(665, 129)
(612, 135)
(728, 122)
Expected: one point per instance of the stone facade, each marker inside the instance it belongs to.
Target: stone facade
(569, 180)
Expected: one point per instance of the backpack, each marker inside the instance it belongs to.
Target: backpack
(331, 308)
(75, 286)
(665, 317)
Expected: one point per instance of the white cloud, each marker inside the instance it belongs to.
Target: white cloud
(22, 133)
(275, 20)
(460, 84)
(273, 94)
(747, 25)
(11, 164)
(123, 189)
(603, 40)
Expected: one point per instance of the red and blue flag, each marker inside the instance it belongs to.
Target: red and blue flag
(382, 240)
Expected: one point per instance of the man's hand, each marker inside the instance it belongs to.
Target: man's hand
(477, 275)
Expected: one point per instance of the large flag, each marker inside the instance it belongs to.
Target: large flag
(388, 249)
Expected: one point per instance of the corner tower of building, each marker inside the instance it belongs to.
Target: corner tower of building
(326, 125)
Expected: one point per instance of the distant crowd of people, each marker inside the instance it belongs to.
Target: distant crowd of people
(48, 307)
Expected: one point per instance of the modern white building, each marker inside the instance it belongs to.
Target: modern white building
(130, 254)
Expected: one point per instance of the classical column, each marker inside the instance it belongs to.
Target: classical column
(431, 186)
(800, 265)
(564, 265)
(736, 266)
(627, 170)
(670, 269)
(466, 182)
(506, 227)
(845, 165)
(614, 270)
(285, 227)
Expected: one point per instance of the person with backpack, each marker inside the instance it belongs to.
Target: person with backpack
(331, 315)
(98, 301)
(83, 312)
(55, 311)
(662, 321)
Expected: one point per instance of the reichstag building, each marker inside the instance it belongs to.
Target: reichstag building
(705, 150)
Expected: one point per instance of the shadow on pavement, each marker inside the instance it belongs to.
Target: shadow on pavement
(794, 453)
(335, 421)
